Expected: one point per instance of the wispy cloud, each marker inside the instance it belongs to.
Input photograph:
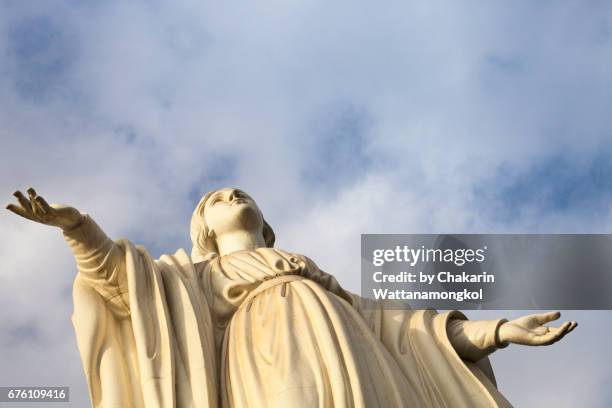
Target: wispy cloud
(339, 118)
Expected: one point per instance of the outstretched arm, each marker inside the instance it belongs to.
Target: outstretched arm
(474, 340)
(99, 259)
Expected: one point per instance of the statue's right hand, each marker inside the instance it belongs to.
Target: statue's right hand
(36, 209)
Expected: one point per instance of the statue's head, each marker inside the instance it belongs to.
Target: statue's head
(225, 211)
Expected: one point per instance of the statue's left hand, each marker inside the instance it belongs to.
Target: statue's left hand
(531, 330)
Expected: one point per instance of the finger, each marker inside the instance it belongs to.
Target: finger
(564, 327)
(558, 333)
(32, 195)
(20, 211)
(547, 317)
(573, 325)
(25, 203)
(545, 339)
(40, 210)
(43, 203)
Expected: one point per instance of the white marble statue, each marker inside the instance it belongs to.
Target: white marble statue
(243, 324)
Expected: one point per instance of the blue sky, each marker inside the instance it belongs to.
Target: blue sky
(339, 119)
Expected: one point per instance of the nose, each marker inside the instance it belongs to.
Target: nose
(233, 194)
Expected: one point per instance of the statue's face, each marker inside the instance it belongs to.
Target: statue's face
(230, 209)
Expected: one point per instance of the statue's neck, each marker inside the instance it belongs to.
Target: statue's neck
(241, 240)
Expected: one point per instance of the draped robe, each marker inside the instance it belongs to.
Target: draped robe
(260, 328)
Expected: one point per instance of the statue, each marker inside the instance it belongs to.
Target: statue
(243, 324)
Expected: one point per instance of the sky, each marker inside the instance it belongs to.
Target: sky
(339, 118)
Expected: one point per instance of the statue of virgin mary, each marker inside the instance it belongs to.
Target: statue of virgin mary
(243, 324)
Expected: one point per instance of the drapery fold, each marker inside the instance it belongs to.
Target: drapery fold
(160, 355)
(260, 328)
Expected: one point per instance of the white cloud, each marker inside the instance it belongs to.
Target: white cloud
(129, 110)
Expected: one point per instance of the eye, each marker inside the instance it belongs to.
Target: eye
(241, 194)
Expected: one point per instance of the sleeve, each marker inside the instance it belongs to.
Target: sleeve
(472, 340)
(476, 339)
(100, 262)
(420, 343)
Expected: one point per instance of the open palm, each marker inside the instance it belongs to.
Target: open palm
(35, 208)
(531, 330)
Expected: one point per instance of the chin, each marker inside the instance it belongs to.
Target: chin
(249, 215)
